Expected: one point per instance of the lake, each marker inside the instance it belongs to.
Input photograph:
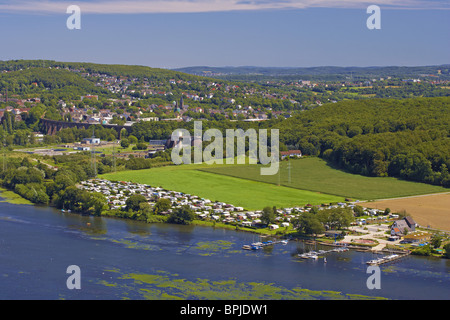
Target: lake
(120, 259)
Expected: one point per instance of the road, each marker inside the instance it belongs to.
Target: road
(373, 232)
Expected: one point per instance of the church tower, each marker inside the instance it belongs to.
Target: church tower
(181, 106)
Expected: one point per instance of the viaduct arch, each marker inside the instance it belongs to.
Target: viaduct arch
(51, 127)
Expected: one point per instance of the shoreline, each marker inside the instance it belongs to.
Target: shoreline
(14, 198)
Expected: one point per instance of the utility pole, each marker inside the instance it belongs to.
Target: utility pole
(289, 170)
(279, 174)
(94, 163)
(114, 157)
(5, 164)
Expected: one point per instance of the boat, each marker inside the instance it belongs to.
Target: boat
(246, 247)
(308, 255)
(284, 241)
(372, 262)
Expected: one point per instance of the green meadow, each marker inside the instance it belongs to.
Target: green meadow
(307, 181)
(314, 174)
(252, 195)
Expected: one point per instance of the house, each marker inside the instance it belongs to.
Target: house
(91, 141)
(92, 97)
(291, 154)
(82, 148)
(403, 226)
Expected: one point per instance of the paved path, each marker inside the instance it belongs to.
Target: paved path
(371, 233)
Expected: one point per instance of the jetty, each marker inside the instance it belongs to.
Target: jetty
(259, 245)
(315, 254)
(386, 259)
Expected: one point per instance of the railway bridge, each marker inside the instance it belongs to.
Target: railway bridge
(51, 127)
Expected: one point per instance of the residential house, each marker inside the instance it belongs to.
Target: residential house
(291, 154)
(403, 226)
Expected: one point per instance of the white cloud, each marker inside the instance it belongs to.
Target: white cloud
(191, 6)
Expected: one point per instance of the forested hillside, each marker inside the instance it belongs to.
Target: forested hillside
(402, 138)
(61, 83)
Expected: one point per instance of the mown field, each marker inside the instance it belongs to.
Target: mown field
(311, 181)
(252, 195)
(314, 174)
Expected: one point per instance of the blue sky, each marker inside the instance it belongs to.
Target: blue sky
(179, 33)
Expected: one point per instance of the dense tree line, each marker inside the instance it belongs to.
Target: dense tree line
(400, 138)
(41, 184)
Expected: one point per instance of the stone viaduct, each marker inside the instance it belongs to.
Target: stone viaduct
(51, 127)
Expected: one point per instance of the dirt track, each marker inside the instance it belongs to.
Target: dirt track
(427, 210)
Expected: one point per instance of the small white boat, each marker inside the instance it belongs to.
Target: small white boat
(309, 255)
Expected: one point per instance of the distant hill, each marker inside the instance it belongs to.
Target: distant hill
(319, 73)
(62, 78)
(110, 69)
(38, 80)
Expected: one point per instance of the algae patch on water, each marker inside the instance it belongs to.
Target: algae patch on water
(212, 247)
(165, 286)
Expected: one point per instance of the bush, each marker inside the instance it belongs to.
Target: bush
(134, 201)
(124, 143)
(422, 251)
(183, 215)
(447, 251)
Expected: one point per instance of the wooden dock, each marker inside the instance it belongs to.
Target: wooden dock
(315, 254)
(386, 259)
(259, 245)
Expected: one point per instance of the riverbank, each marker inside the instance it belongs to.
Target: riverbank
(280, 233)
(12, 197)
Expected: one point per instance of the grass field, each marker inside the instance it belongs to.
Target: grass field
(252, 195)
(311, 181)
(314, 174)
